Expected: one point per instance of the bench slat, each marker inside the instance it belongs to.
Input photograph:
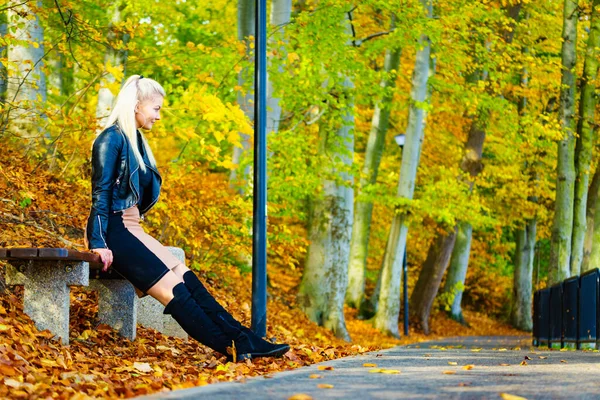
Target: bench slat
(25, 253)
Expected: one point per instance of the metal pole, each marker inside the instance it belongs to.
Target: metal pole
(405, 289)
(259, 231)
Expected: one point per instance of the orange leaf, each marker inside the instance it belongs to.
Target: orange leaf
(324, 386)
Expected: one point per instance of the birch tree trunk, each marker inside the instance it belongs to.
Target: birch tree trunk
(281, 11)
(363, 210)
(523, 274)
(26, 87)
(325, 275)
(3, 74)
(562, 228)
(585, 139)
(246, 30)
(588, 245)
(388, 308)
(594, 260)
(430, 277)
(113, 58)
(457, 272)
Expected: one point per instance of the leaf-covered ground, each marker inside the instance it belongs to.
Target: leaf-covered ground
(37, 208)
(99, 363)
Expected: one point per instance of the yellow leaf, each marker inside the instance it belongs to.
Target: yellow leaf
(449, 372)
(4, 327)
(315, 376)
(324, 386)
(502, 349)
(390, 371)
(523, 362)
(506, 396)
(300, 396)
(369, 365)
(468, 367)
(476, 350)
(375, 371)
(452, 363)
(325, 368)
(158, 372)
(543, 357)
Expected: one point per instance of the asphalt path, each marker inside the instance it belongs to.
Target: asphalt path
(453, 368)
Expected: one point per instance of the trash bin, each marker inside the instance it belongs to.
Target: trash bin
(555, 316)
(589, 310)
(536, 315)
(570, 311)
(543, 317)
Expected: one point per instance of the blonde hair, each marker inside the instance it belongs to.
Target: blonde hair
(135, 90)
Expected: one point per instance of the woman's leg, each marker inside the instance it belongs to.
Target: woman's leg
(178, 301)
(248, 344)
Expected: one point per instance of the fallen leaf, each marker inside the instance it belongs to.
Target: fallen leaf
(476, 350)
(12, 383)
(563, 361)
(465, 384)
(506, 396)
(523, 362)
(426, 355)
(468, 367)
(369, 365)
(543, 357)
(325, 368)
(449, 372)
(527, 358)
(315, 376)
(4, 327)
(300, 396)
(375, 371)
(390, 371)
(502, 349)
(452, 363)
(8, 370)
(504, 365)
(324, 386)
(142, 367)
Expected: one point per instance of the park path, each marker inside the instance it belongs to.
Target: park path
(452, 368)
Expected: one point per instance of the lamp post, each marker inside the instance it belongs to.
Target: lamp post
(400, 142)
(259, 220)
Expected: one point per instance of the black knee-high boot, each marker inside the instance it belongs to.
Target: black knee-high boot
(184, 309)
(248, 344)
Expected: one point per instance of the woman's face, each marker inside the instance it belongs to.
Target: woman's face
(147, 112)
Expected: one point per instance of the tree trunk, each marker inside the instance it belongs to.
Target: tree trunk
(594, 260)
(325, 276)
(588, 245)
(281, 11)
(246, 31)
(430, 277)
(386, 317)
(363, 210)
(26, 88)
(562, 228)
(113, 58)
(457, 272)
(523, 276)
(3, 75)
(585, 139)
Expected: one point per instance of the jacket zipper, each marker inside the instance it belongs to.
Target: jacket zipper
(101, 236)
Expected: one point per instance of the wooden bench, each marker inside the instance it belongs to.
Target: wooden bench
(48, 273)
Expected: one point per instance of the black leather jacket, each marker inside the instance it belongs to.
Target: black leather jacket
(115, 183)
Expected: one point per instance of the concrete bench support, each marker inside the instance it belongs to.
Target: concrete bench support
(47, 293)
(150, 311)
(117, 305)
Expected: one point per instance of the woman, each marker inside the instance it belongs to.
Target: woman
(125, 185)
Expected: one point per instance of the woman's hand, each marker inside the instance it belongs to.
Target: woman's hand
(106, 256)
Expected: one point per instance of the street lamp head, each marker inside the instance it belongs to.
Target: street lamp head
(400, 139)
